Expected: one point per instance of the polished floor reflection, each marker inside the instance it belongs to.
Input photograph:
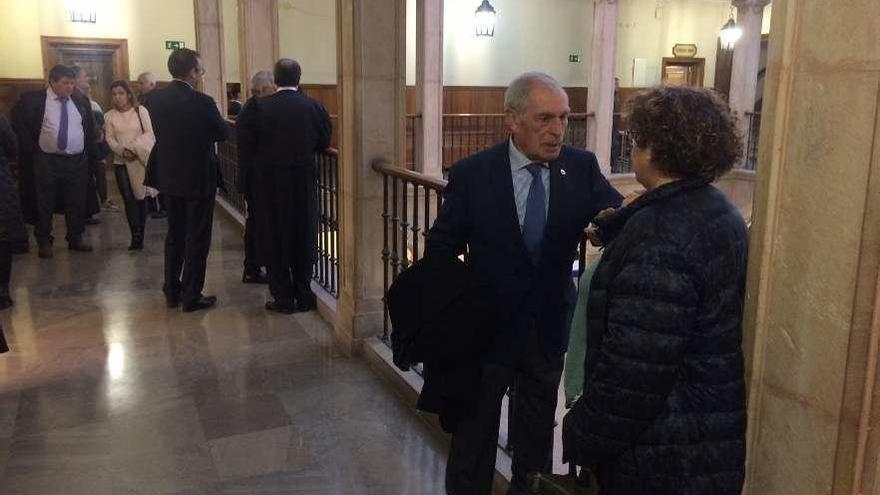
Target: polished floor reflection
(107, 391)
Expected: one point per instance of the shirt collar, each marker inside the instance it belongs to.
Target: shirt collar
(51, 93)
(288, 88)
(518, 160)
(184, 82)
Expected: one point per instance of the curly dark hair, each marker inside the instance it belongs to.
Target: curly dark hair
(690, 131)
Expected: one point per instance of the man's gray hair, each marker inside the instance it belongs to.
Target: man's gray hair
(262, 78)
(147, 76)
(516, 98)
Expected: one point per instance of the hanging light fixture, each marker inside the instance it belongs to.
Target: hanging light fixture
(730, 32)
(485, 19)
(83, 11)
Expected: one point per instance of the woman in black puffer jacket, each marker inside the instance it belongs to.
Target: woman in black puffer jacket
(664, 409)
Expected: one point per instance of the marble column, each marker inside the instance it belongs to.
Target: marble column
(429, 87)
(600, 95)
(812, 318)
(746, 59)
(209, 44)
(258, 39)
(372, 85)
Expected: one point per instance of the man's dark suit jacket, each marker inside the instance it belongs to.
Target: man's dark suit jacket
(187, 124)
(27, 120)
(479, 217)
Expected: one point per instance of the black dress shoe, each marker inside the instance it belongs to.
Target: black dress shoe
(81, 246)
(306, 306)
(204, 302)
(172, 302)
(254, 277)
(137, 243)
(45, 251)
(287, 309)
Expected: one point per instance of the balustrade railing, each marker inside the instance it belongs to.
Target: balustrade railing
(228, 154)
(326, 270)
(753, 131)
(327, 266)
(410, 204)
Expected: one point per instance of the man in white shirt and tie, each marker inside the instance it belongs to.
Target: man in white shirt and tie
(57, 136)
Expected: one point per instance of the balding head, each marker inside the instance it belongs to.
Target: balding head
(146, 82)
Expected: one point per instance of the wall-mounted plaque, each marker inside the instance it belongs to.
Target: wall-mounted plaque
(682, 50)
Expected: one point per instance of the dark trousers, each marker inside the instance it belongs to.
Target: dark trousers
(190, 221)
(250, 240)
(69, 177)
(101, 180)
(470, 468)
(135, 209)
(292, 260)
(5, 269)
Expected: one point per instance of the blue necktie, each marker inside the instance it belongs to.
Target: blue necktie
(62, 127)
(535, 218)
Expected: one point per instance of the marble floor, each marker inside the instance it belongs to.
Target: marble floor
(108, 391)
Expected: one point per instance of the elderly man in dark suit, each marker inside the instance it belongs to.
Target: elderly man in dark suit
(279, 136)
(518, 211)
(187, 124)
(57, 141)
(262, 85)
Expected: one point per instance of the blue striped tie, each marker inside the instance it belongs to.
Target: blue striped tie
(535, 217)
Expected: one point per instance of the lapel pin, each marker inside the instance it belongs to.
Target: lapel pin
(562, 171)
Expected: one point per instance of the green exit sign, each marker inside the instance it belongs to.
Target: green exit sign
(174, 45)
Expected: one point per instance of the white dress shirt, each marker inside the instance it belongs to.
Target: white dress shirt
(522, 181)
(52, 121)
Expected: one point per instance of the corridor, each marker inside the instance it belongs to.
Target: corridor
(107, 391)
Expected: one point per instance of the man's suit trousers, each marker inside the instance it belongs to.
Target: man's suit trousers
(66, 177)
(190, 221)
(535, 378)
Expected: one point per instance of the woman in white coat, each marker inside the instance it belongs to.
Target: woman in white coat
(130, 136)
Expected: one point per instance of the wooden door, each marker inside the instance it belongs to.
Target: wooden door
(682, 71)
(105, 60)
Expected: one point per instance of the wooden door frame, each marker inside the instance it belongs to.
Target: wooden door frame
(119, 47)
(697, 62)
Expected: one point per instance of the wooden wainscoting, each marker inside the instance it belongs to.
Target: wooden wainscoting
(486, 99)
(325, 93)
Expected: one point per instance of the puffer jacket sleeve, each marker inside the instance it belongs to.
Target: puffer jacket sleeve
(652, 301)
